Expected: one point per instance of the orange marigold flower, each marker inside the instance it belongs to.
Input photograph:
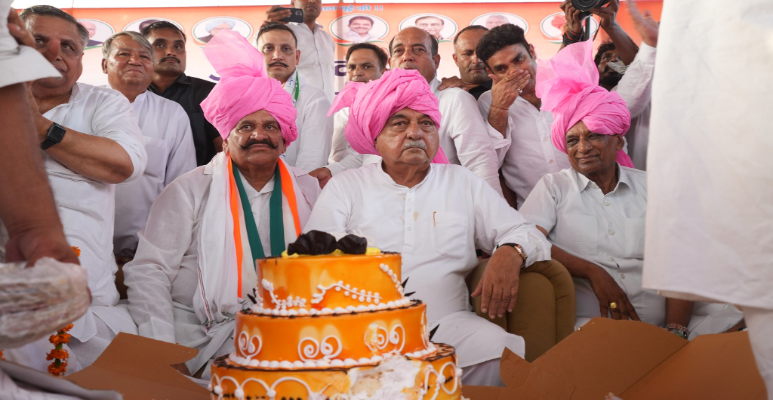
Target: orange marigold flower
(57, 353)
(77, 251)
(1, 355)
(55, 370)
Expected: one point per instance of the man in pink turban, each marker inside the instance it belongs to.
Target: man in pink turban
(593, 213)
(195, 262)
(434, 213)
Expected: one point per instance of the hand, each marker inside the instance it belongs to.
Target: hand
(607, 14)
(18, 30)
(608, 291)
(452, 82)
(573, 20)
(647, 27)
(499, 285)
(505, 91)
(323, 175)
(45, 240)
(276, 13)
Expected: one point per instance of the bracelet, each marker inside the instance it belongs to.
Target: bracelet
(678, 330)
(571, 36)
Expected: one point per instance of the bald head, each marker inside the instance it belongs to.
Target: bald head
(414, 48)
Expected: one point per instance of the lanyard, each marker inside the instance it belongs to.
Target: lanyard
(276, 223)
(295, 86)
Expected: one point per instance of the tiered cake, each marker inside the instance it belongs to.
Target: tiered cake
(334, 326)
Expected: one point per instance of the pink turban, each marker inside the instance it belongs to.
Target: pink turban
(371, 104)
(244, 87)
(568, 86)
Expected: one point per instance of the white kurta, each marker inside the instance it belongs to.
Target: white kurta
(608, 230)
(19, 63)
(163, 277)
(636, 89)
(436, 226)
(315, 130)
(465, 137)
(317, 56)
(709, 218)
(531, 153)
(166, 131)
(86, 208)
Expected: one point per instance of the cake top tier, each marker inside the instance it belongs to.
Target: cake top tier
(329, 284)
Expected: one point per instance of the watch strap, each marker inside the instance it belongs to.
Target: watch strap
(519, 249)
(54, 136)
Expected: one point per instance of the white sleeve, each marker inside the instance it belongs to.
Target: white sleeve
(331, 211)
(636, 85)
(501, 144)
(339, 145)
(115, 120)
(540, 206)
(157, 261)
(317, 131)
(183, 156)
(496, 223)
(472, 141)
(20, 63)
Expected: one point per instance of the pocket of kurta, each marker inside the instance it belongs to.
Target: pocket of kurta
(634, 237)
(449, 234)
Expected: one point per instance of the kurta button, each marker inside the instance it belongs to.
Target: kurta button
(606, 203)
(611, 232)
(611, 259)
(622, 276)
(550, 162)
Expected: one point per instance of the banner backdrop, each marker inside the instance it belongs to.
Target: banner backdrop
(347, 23)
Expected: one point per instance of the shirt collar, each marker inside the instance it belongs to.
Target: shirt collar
(583, 182)
(391, 181)
(251, 192)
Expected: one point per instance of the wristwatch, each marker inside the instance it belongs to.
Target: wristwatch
(54, 135)
(519, 249)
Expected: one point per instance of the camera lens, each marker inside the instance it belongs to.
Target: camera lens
(587, 5)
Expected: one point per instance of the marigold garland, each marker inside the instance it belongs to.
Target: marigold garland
(58, 354)
(77, 251)
(1, 355)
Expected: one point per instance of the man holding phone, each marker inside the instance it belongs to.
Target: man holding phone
(316, 46)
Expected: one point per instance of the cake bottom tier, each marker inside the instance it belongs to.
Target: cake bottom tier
(434, 377)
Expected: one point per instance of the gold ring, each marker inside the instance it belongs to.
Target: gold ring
(613, 305)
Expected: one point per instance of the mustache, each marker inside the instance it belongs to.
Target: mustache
(275, 63)
(253, 142)
(415, 144)
(177, 60)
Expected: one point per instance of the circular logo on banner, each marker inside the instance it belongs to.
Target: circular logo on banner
(359, 28)
(99, 31)
(441, 27)
(137, 25)
(493, 20)
(204, 30)
(553, 27)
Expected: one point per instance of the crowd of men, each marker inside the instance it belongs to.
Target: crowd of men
(518, 158)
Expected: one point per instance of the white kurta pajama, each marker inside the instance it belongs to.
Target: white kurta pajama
(530, 154)
(711, 189)
(163, 279)
(168, 140)
(608, 230)
(436, 227)
(86, 208)
(466, 138)
(317, 63)
(315, 130)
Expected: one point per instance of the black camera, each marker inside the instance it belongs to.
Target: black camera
(586, 5)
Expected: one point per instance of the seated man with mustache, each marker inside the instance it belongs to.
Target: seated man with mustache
(280, 51)
(191, 275)
(434, 214)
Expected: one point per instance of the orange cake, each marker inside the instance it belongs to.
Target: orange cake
(334, 326)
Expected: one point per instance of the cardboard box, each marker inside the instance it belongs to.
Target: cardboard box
(140, 369)
(635, 361)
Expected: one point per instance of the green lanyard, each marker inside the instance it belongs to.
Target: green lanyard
(276, 223)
